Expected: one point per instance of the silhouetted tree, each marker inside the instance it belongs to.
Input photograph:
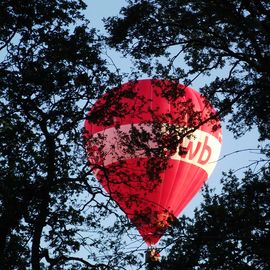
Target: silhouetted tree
(51, 69)
(230, 230)
(230, 42)
(231, 37)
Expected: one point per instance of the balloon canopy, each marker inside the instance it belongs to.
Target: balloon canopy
(152, 144)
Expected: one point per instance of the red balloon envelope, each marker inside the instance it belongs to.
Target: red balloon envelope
(152, 144)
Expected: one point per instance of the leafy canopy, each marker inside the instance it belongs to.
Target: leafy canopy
(51, 70)
(209, 36)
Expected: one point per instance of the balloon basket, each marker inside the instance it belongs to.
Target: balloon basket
(152, 258)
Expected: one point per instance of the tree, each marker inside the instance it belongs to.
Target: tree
(232, 37)
(51, 208)
(229, 41)
(51, 70)
(230, 230)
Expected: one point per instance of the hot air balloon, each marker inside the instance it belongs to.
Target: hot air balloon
(152, 144)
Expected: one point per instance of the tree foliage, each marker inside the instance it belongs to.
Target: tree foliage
(232, 36)
(228, 42)
(51, 70)
(229, 230)
(52, 213)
